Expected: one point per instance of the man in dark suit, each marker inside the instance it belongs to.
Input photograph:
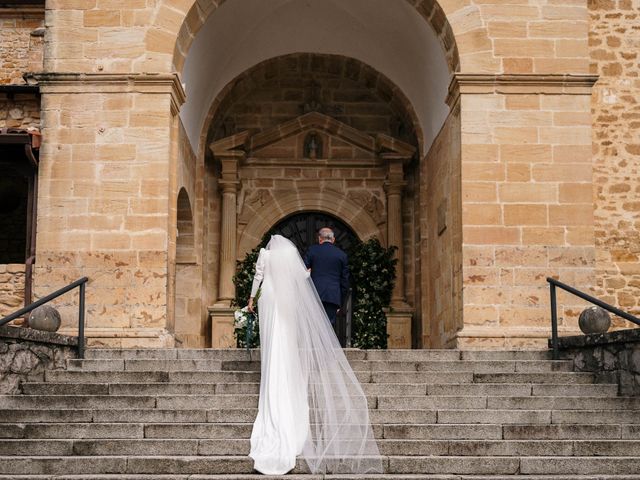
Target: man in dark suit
(329, 272)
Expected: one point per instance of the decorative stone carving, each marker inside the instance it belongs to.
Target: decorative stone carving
(594, 320)
(369, 202)
(45, 318)
(313, 145)
(258, 199)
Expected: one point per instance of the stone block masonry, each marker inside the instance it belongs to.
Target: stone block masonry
(19, 111)
(25, 354)
(103, 201)
(11, 288)
(614, 42)
(613, 357)
(21, 44)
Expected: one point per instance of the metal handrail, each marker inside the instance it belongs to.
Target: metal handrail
(553, 283)
(80, 283)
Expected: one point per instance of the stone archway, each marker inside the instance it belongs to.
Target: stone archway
(416, 87)
(332, 202)
(302, 229)
(188, 327)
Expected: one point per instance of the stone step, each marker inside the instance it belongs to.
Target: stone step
(242, 431)
(582, 431)
(598, 417)
(161, 388)
(541, 378)
(383, 416)
(167, 402)
(238, 415)
(524, 389)
(386, 476)
(393, 464)
(485, 389)
(380, 402)
(222, 447)
(575, 404)
(493, 366)
(351, 353)
(87, 376)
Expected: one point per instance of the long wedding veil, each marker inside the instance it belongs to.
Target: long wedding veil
(340, 436)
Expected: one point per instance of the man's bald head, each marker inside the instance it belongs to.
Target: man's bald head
(325, 234)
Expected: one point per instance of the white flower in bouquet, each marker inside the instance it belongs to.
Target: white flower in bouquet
(240, 316)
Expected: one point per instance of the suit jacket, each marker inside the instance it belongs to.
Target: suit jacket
(329, 271)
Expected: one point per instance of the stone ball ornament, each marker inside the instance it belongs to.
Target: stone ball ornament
(45, 318)
(594, 320)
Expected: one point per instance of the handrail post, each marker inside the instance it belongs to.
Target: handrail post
(81, 321)
(554, 322)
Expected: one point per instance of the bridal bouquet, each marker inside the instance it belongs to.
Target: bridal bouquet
(245, 328)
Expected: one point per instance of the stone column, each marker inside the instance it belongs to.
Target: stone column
(228, 245)
(400, 313)
(393, 187)
(222, 313)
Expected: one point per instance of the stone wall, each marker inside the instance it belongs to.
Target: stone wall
(11, 288)
(614, 40)
(191, 318)
(25, 355)
(527, 208)
(441, 237)
(103, 205)
(21, 43)
(614, 357)
(19, 111)
(525, 153)
(284, 88)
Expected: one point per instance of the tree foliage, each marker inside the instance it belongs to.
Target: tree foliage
(373, 272)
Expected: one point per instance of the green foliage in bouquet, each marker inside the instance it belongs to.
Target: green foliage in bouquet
(243, 279)
(373, 273)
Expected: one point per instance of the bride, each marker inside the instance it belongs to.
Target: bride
(311, 402)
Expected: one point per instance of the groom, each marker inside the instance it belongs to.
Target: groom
(329, 272)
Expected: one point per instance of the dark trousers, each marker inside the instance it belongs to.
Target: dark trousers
(332, 311)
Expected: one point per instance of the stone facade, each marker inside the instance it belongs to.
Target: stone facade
(19, 111)
(614, 40)
(25, 355)
(614, 357)
(441, 237)
(532, 174)
(11, 288)
(21, 43)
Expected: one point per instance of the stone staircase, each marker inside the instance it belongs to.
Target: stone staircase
(187, 414)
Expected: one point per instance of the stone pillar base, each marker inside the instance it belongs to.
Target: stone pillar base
(222, 326)
(506, 338)
(399, 327)
(105, 337)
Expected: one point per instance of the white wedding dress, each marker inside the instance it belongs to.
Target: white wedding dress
(311, 402)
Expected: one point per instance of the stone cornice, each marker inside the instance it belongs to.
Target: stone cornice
(169, 83)
(471, 83)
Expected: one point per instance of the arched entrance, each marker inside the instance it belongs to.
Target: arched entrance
(302, 229)
(277, 132)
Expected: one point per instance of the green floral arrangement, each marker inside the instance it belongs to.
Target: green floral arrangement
(243, 280)
(373, 273)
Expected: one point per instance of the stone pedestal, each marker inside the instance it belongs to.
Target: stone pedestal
(399, 327)
(222, 326)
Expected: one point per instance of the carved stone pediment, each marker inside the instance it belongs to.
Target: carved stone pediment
(312, 136)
